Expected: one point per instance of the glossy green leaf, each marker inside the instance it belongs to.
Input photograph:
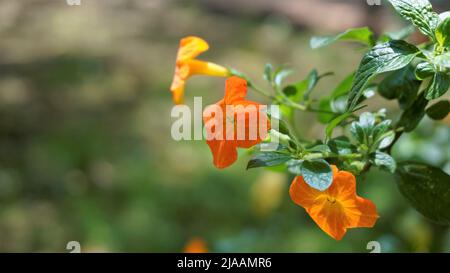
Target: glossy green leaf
(322, 148)
(363, 35)
(335, 122)
(402, 85)
(294, 166)
(439, 110)
(424, 70)
(341, 146)
(384, 141)
(442, 62)
(268, 159)
(443, 33)
(413, 115)
(418, 12)
(385, 57)
(381, 128)
(385, 161)
(367, 120)
(427, 188)
(317, 174)
(358, 132)
(438, 87)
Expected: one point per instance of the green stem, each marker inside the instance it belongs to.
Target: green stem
(313, 156)
(259, 90)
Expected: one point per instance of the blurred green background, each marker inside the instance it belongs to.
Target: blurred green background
(85, 147)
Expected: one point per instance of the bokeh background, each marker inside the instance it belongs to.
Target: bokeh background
(85, 147)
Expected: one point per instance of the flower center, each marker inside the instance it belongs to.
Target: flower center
(331, 199)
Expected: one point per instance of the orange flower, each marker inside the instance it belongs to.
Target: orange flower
(238, 127)
(195, 245)
(187, 65)
(337, 208)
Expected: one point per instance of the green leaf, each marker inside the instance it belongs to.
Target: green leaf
(443, 33)
(385, 57)
(413, 115)
(335, 122)
(418, 12)
(324, 105)
(424, 70)
(283, 127)
(344, 87)
(384, 141)
(312, 80)
(367, 121)
(380, 129)
(280, 75)
(442, 62)
(439, 110)
(328, 103)
(268, 72)
(358, 132)
(322, 148)
(402, 85)
(444, 15)
(294, 166)
(363, 35)
(384, 160)
(438, 87)
(398, 35)
(268, 159)
(296, 92)
(427, 188)
(317, 174)
(341, 146)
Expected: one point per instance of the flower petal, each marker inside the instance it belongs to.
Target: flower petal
(360, 212)
(343, 186)
(302, 194)
(224, 152)
(191, 47)
(363, 214)
(235, 90)
(255, 125)
(330, 217)
(206, 68)
(178, 82)
(337, 208)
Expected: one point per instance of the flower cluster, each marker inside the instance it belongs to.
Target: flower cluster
(334, 208)
(326, 169)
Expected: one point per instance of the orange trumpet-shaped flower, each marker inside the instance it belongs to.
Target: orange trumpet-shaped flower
(236, 123)
(196, 245)
(187, 65)
(337, 208)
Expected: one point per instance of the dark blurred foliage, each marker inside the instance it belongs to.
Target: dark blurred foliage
(85, 146)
